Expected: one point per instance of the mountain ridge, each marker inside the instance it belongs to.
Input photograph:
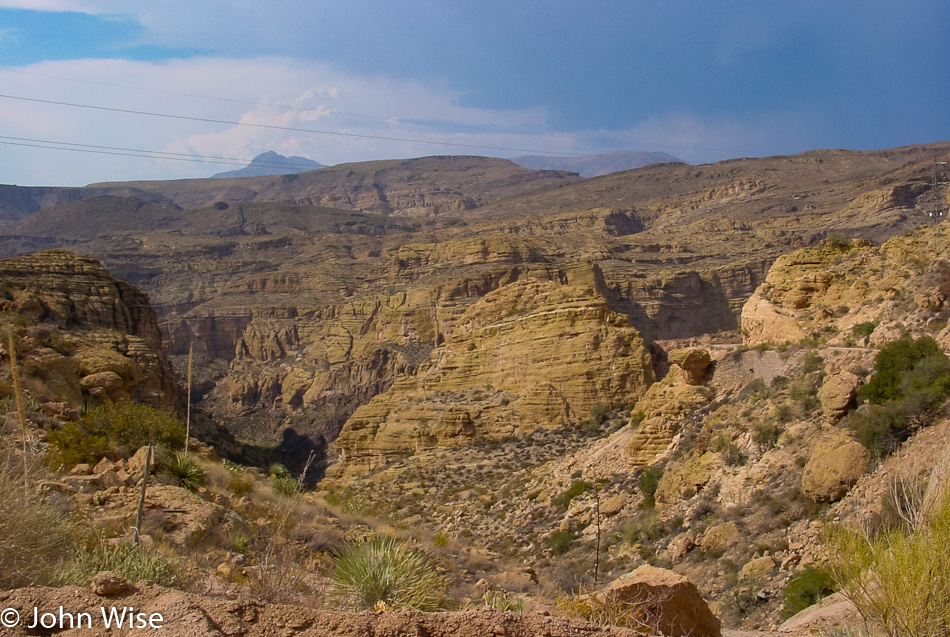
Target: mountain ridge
(271, 163)
(596, 165)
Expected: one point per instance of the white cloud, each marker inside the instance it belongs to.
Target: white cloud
(257, 91)
(373, 118)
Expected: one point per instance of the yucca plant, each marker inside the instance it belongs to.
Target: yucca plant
(186, 471)
(386, 573)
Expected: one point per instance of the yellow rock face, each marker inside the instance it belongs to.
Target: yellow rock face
(529, 355)
(664, 407)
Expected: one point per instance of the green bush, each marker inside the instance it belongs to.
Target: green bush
(766, 434)
(124, 426)
(905, 366)
(278, 470)
(560, 542)
(185, 470)
(563, 501)
(241, 485)
(730, 452)
(286, 485)
(648, 482)
(131, 562)
(813, 362)
(598, 413)
(911, 378)
(386, 574)
(863, 330)
(806, 588)
(838, 240)
(646, 528)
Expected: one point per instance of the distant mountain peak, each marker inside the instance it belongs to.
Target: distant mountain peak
(271, 163)
(596, 165)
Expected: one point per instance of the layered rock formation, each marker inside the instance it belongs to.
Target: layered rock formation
(666, 405)
(83, 332)
(851, 293)
(530, 355)
(302, 313)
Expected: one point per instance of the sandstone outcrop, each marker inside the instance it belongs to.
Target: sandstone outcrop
(851, 293)
(530, 355)
(664, 408)
(88, 333)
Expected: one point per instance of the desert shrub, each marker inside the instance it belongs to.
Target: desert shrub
(598, 413)
(560, 542)
(766, 434)
(503, 601)
(131, 562)
(863, 330)
(240, 485)
(34, 537)
(563, 501)
(905, 366)
(74, 443)
(911, 378)
(813, 362)
(278, 470)
(286, 485)
(806, 588)
(185, 470)
(898, 579)
(124, 426)
(648, 482)
(386, 573)
(730, 452)
(838, 239)
(756, 390)
(647, 528)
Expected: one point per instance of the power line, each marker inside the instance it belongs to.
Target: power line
(158, 154)
(285, 107)
(287, 128)
(119, 153)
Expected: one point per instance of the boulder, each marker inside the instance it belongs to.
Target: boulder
(107, 584)
(837, 393)
(763, 323)
(719, 538)
(671, 604)
(757, 570)
(835, 465)
(694, 362)
(612, 506)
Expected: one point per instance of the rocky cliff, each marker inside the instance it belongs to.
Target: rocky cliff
(302, 313)
(82, 332)
(533, 354)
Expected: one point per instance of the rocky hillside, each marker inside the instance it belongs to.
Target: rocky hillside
(596, 165)
(413, 187)
(82, 334)
(662, 367)
(725, 470)
(302, 314)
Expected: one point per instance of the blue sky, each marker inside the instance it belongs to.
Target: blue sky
(700, 80)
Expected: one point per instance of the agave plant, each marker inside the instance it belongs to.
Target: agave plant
(386, 574)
